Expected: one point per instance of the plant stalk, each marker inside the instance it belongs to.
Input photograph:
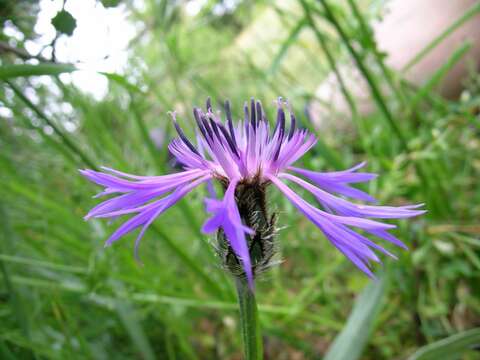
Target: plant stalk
(249, 322)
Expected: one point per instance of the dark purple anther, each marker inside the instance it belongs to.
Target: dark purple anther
(230, 142)
(184, 138)
(292, 125)
(259, 112)
(252, 114)
(246, 159)
(228, 114)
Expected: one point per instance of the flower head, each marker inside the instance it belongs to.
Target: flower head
(245, 157)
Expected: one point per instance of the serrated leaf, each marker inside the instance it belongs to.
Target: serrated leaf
(64, 22)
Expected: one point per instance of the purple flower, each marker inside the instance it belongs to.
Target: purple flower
(245, 157)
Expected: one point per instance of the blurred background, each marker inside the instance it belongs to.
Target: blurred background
(86, 83)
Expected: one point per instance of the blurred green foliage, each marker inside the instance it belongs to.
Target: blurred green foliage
(63, 296)
(64, 22)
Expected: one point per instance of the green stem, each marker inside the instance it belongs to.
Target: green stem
(249, 322)
(470, 13)
(374, 89)
(331, 60)
(65, 139)
(377, 96)
(368, 35)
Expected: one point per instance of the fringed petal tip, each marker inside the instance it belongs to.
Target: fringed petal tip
(89, 173)
(136, 256)
(412, 206)
(248, 230)
(136, 197)
(336, 227)
(85, 172)
(359, 165)
(240, 152)
(419, 212)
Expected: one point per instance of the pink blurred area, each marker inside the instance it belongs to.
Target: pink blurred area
(406, 29)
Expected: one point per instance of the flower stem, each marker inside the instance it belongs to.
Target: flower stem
(249, 322)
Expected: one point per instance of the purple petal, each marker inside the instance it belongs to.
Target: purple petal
(226, 215)
(353, 245)
(117, 184)
(336, 181)
(346, 208)
(135, 195)
(389, 237)
(146, 216)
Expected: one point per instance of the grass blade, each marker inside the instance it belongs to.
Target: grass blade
(5, 351)
(65, 139)
(330, 59)
(374, 89)
(23, 70)
(368, 35)
(127, 316)
(122, 81)
(291, 39)
(450, 347)
(471, 12)
(160, 161)
(439, 74)
(209, 282)
(349, 344)
(44, 264)
(376, 94)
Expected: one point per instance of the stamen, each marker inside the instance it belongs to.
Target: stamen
(279, 146)
(182, 135)
(260, 115)
(207, 127)
(280, 120)
(280, 126)
(215, 128)
(292, 120)
(197, 116)
(292, 125)
(252, 114)
(245, 161)
(228, 114)
(230, 142)
(246, 117)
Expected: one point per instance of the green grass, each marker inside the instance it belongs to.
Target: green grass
(62, 295)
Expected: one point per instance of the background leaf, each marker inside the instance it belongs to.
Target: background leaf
(451, 347)
(57, 299)
(64, 22)
(24, 70)
(349, 344)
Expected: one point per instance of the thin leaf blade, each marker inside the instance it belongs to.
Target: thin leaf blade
(26, 70)
(449, 348)
(351, 341)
